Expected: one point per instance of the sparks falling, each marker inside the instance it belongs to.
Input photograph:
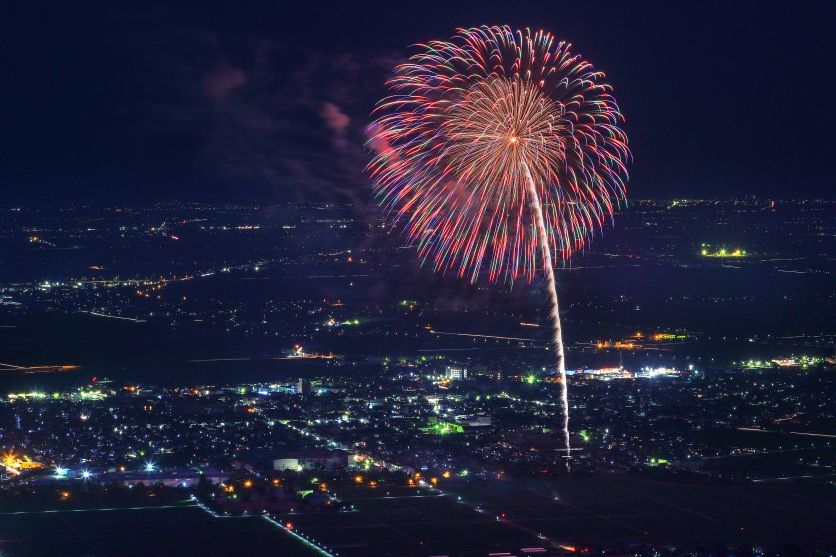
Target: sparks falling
(496, 149)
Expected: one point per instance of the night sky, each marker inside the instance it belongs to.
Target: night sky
(231, 101)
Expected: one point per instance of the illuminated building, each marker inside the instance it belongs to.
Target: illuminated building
(802, 362)
(456, 373)
(15, 463)
(650, 372)
(311, 459)
(668, 336)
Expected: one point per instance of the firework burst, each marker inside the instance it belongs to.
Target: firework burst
(498, 149)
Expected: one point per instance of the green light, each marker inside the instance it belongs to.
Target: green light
(445, 428)
(91, 395)
(722, 252)
(531, 379)
(584, 435)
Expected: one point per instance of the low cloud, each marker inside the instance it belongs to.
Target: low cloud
(337, 121)
(222, 80)
(334, 117)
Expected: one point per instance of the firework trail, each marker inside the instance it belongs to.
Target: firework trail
(557, 330)
(498, 148)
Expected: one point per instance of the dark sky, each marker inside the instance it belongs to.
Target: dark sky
(123, 102)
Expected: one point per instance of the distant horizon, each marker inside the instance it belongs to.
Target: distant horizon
(349, 203)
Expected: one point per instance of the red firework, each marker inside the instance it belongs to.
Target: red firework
(481, 127)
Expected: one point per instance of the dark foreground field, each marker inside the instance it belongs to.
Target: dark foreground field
(470, 519)
(182, 530)
(615, 512)
(623, 510)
